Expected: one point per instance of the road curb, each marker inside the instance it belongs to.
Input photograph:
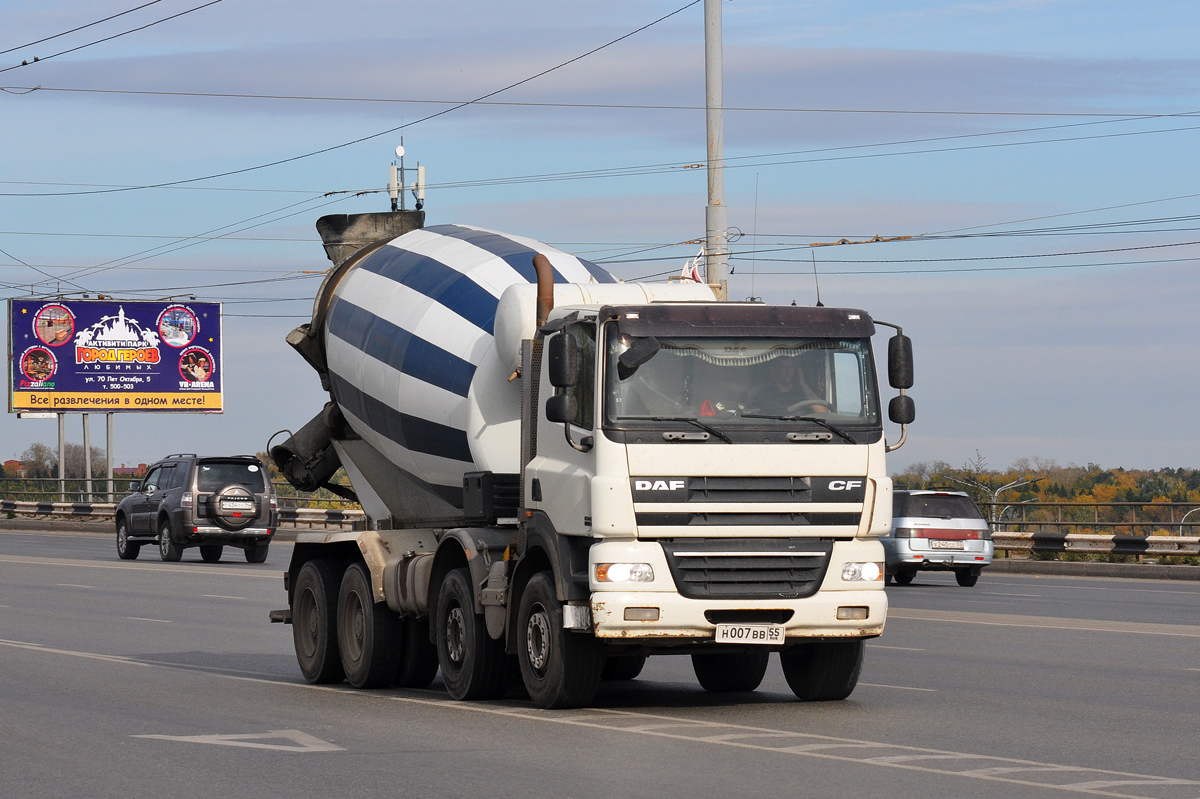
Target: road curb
(1143, 571)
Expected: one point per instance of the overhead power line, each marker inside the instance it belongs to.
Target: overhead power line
(24, 90)
(81, 27)
(110, 38)
(361, 139)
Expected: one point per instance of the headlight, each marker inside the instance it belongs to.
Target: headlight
(624, 573)
(856, 572)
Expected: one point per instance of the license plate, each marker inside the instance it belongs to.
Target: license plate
(750, 634)
(936, 544)
(237, 505)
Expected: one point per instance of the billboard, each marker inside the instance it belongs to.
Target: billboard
(104, 355)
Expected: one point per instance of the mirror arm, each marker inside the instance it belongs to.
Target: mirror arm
(585, 444)
(903, 434)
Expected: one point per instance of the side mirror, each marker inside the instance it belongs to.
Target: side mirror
(900, 362)
(564, 357)
(561, 408)
(641, 351)
(135, 486)
(902, 409)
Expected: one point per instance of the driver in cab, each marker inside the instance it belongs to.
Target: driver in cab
(787, 391)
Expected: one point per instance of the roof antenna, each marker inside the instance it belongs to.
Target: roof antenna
(816, 282)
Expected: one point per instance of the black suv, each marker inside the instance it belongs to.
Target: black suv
(188, 501)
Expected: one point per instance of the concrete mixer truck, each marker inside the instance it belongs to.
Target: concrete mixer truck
(564, 474)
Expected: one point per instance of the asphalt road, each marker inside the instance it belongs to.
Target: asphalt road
(146, 679)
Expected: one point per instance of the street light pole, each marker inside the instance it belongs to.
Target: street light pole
(716, 220)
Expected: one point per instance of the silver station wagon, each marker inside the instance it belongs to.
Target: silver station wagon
(936, 531)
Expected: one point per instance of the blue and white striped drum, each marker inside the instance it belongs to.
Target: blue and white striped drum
(409, 342)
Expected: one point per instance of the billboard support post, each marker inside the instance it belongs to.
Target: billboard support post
(62, 457)
(87, 456)
(108, 455)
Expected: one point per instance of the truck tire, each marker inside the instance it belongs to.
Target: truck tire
(905, 577)
(823, 671)
(257, 553)
(126, 550)
(314, 623)
(418, 657)
(560, 668)
(211, 553)
(966, 578)
(368, 632)
(168, 550)
(473, 665)
(623, 667)
(727, 673)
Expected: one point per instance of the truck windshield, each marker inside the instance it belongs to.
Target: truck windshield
(737, 382)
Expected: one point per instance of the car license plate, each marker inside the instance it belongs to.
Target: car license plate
(237, 505)
(936, 544)
(750, 634)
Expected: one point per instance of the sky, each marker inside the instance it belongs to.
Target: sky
(1038, 155)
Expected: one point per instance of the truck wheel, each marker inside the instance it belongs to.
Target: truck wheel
(368, 633)
(418, 657)
(473, 665)
(560, 668)
(211, 553)
(823, 671)
(257, 553)
(314, 623)
(168, 550)
(905, 577)
(125, 549)
(965, 577)
(623, 667)
(726, 673)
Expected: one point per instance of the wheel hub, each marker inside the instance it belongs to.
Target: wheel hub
(455, 624)
(537, 639)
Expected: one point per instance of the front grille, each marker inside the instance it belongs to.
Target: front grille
(784, 568)
(745, 519)
(747, 489)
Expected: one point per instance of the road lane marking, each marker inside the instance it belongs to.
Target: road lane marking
(904, 648)
(716, 733)
(72, 585)
(1044, 622)
(221, 596)
(300, 741)
(139, 618)
(899, 687)
(1009, 593)
(71, 653)
(151, 567)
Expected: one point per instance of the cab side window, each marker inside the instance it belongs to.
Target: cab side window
(171, 478)
(584, 391)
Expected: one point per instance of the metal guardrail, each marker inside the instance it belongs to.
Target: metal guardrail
(1113, 518)
(77, 490)
(1158, 545)
(103, 511)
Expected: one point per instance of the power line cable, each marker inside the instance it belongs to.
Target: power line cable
(110, 38)
(81, 27)
(23, 90)
(361, 139)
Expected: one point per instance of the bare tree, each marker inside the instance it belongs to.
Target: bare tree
(41, 460)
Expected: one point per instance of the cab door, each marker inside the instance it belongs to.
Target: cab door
(564, 469)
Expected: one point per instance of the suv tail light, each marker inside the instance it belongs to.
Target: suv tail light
(274, 502)
(186, 500)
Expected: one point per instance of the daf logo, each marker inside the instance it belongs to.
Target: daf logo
(844, 485)
(659, 485)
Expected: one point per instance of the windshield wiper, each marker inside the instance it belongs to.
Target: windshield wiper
(706, 428)
(812, 419)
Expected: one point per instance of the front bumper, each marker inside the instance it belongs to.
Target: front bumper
(682, 620)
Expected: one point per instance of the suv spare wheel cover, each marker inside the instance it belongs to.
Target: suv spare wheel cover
(233, 507)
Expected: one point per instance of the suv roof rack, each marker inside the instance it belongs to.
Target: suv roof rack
(180, 455)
